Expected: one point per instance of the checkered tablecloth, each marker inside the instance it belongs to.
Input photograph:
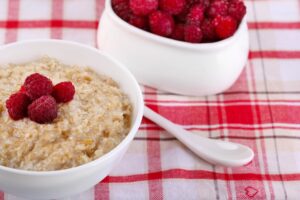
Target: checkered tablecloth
(261, 110)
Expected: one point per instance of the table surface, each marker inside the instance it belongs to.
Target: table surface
(261, 110)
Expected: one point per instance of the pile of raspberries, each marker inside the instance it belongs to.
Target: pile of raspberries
(38, 99)
(194, 21)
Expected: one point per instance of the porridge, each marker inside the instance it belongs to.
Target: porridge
(90, 125)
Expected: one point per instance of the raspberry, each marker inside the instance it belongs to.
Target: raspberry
(195, 15)
(225, 26)
(37, 85)
(138, 21)
(178, 33)
(172, 7)
(161, 23)
(218, 7)
(208, 30)
(121, 8)
(143, 7)
(43, 110)
(63, 92)
(17, 105)
(237, 9)
(192, 33)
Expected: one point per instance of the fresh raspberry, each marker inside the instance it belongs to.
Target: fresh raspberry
(218, 7)
(143, 7)
(121, 8)
(17, 105)
(192, 33)
(225, 26)
(161, 23)
(237, 9)
(208, 30)
(195, 15)
(37, 85)
(63, 92)
(178, 33)
(138, 21)
(172, 7)
(43, 110)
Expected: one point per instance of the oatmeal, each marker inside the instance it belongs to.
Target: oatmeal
(90, 125)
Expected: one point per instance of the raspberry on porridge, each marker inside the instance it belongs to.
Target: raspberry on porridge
(94, 122)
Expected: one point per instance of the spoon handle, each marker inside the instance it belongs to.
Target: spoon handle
(214, 151)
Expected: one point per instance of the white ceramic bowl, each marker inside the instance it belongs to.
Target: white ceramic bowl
(174, 66)
(57, 184)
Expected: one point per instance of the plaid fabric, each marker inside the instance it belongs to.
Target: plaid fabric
(261, 110)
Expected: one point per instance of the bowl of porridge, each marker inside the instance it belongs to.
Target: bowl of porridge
(88, 135)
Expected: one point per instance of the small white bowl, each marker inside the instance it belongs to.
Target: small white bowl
(62, 183)
(170, 65)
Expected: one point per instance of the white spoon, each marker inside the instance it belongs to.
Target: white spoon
(217, 152)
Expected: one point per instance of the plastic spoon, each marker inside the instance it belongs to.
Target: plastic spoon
(217, 152)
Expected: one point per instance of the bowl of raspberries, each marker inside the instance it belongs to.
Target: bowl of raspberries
(189, 47)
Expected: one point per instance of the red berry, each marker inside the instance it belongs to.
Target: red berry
(121, 8)
(237, 9)
(43, 110)
(37, 85)
(195, 15)
(63, 92)
(17, 105)
(172, 7)
(178, 33)
(161, 23)
(138, 21)
(225, 26)
(218, 7)
(208, 30)
(192, 33)
(143, 7)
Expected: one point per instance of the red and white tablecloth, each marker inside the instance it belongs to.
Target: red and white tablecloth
(261, 110)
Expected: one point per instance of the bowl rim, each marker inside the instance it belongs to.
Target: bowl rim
(169, 41)
(125, 141)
